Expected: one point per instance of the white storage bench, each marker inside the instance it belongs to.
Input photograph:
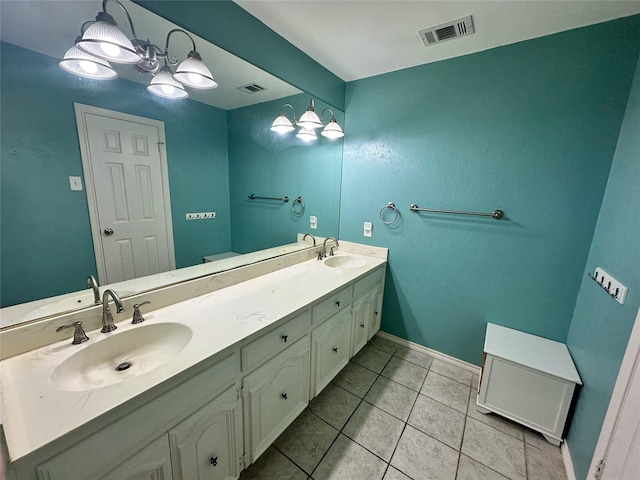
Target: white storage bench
(528, 379)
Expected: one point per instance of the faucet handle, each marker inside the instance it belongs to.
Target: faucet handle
(137, 315)
(79, 336)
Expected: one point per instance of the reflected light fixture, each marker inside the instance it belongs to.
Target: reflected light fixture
(101, 42)
(308, 123)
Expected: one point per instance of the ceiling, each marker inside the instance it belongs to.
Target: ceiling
(358, 39)
(50, 27)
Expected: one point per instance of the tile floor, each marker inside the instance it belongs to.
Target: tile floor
(398, 414)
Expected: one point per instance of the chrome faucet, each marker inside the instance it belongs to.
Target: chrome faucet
(93, 283)
(312, 237)
(107, 318)
(323, 252)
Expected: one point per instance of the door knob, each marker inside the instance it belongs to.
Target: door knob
(108, 231)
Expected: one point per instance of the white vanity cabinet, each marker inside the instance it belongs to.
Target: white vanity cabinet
(217, 417)
(330, 349)
(136, 445)
(274, 395)
(367, 308)
(207, 445)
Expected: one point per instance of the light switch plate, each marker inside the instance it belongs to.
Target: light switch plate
(313, 222)
(75, 183)
(368, 227)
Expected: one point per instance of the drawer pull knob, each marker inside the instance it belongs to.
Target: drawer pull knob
(284, 338)
(335, 349)
(214, 461)
(375, 313)
(362, 325)
(338, 303)
(284, 396)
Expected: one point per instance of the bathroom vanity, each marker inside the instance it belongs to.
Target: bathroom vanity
(243, 364)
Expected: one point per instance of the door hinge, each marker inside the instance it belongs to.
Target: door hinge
(598, 468)
(241, 462)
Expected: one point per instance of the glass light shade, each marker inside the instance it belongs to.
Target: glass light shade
(194, 73)
(309, 119)
(84, 65)
(307, 135)
(282, 125)
(105, 40)
(165, 86)
(332, 130)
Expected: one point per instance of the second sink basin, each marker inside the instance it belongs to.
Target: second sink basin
(121, 356)
(345, 261)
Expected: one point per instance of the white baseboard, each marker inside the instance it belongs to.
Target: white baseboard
(433, 353)
(566, 458)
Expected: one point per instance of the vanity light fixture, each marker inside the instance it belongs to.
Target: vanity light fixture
(80, 63)
(101, 41)
(308, 123)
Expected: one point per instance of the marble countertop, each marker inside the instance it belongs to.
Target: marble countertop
(36, 412)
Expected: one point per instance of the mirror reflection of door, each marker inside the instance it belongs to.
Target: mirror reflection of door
(125, 173)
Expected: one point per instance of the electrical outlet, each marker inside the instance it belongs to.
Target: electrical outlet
(368, 227)
(201, 216)
(610, 285)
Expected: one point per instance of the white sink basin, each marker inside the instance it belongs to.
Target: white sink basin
(345, 261)
(121, 356)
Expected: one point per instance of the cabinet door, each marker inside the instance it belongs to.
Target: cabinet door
(206, 444)
(377, 311)
(330, 345)
(364, 309)
(151, 463)
(274, 395)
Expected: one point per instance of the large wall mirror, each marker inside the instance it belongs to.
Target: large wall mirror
(219, 150)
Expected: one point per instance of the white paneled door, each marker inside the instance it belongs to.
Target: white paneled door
(125, 175)
(617, 455)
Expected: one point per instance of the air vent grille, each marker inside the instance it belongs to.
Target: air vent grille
(447, 31)
(252, 88)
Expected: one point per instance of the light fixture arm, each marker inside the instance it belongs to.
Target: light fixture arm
(292, 120)
(333, 115)
(173, 60)
(104, 16)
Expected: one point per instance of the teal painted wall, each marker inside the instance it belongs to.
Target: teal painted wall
(529, 128)
(45, 228)
(601, 327)
(228, 26)
(267, 164)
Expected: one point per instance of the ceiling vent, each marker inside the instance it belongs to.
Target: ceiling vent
(447, 31)
(251, 88)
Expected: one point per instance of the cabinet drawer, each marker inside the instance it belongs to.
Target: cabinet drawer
(368, 282)
(331, 305)
(270, 343)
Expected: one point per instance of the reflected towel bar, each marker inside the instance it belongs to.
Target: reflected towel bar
(284, 199)
(497, 214)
